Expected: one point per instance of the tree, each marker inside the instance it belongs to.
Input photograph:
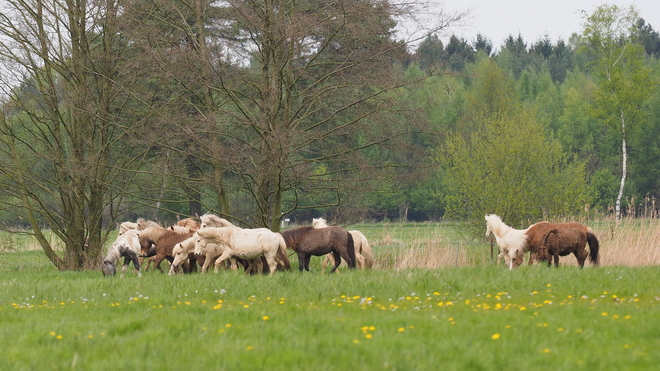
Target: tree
(297, 91)
(513, 167)
(624, 82)
(65, 155)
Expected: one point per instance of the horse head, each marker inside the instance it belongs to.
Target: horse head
(108, 268)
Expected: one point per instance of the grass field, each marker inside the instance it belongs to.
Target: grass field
(468, 315)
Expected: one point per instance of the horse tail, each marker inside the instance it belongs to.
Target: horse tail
(350, 246)
(281, 253)
(593, 248)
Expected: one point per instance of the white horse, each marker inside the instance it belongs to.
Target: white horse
(364, 256)
(242, 243)
(126, 245)
(511, 242)
(211, 220)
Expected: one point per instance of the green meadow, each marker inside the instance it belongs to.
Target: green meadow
(469, 317)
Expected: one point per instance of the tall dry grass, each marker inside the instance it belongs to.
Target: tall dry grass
(634, 242)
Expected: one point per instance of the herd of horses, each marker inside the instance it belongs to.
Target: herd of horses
(213, 240)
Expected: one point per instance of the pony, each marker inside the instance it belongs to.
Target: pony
(242, 243)
(536, 232)
(308, 241)
(144, 224)
(163, 241)
(563, 242)
(126, 245)
(183, 254)
(364, 256)
(211, 220)
(507, 238)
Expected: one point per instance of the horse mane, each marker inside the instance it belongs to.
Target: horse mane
(319, 223)
(212, 220)
(214, 232)
(127, 226)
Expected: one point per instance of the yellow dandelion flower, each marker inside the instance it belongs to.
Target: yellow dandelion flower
(546, 350)
(495, 336)
(372, 328)
(560, 329)
(90, 336)
(604, 314)
(249, 347)
(356, 341)
(627, 317)
(265, 318)
(402, 329)
(368, 336)
(228, 325)
(58, 337)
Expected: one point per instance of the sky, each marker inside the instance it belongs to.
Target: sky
(533, 19)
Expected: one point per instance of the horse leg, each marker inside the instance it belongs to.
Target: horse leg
(225, 255)
(581, 255)
(301, 261)
(307, 259)
(136, 262)
(337, 258)
(327, 260)
(207, 262)
(127, 261)
(556, 258)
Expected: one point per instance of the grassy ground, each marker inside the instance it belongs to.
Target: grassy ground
(480, 317)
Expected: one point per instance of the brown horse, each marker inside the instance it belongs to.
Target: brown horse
(189, 223)
(561, 242)
(163, 241)
(307, 241)
(534, 236)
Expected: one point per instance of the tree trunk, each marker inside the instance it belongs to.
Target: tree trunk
(624, 169)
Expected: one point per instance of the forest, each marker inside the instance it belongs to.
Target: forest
(271, 111)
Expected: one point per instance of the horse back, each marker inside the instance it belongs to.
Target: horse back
(537, 232)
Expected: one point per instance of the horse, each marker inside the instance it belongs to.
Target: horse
(144, 224)
(183, 254)
(308, 241)
(244, 244)
(211, 220)
(561, 242)
(126, 245)
(163, 240)
(507, 238)
(364, 256)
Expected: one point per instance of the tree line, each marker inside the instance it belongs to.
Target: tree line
(264, 110)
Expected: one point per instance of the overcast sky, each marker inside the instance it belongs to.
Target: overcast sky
(533, 19)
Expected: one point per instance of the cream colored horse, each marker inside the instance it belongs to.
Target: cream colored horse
(242, 243)
(509, 240)
(364, 256)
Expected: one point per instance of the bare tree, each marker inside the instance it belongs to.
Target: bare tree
(63, 145)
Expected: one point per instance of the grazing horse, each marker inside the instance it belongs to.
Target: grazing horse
(561, 242)
(307, 241)
(127, 245)
(244, 244)
(364, 256)
(507, 238)
(535, 234)
(163, 240)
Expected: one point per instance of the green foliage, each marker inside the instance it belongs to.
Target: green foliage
(513, 168)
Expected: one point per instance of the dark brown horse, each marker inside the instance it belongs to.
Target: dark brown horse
(307, 241)
(561, 242)
(534, 236)
(160, 241)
